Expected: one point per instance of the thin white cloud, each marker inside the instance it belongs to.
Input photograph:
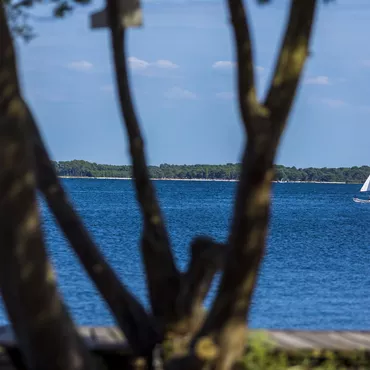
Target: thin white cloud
(225, 95)
(334, 103)
(318, 80)
(223, 64)
(140, 64)
(228, 65)
(137, 64)
(163, 63)
(180, 93)
(80, 65)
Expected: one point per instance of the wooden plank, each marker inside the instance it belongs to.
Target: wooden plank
(103, 335)
(289, 340)
(331, 340)
(117, 334)
(340, 340)
(317, 339)
(363, 339)
(111, 339)
(104, 339)
(86, 333)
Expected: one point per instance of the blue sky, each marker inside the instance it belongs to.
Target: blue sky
(182, 74)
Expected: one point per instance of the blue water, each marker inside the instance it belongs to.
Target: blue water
(316, 274)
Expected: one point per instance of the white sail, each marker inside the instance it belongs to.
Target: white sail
(366, 185)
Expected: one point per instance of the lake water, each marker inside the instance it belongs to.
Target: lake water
(316, 273)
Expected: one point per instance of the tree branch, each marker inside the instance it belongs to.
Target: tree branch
(130, 315)
(207, 258)
(248, 103)
(223, 333)
(293, 54)
(27, 281)
(163, 278)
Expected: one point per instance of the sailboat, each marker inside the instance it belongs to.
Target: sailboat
(365, 188)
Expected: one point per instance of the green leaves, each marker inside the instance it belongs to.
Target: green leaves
(20, 15)
(62, 9)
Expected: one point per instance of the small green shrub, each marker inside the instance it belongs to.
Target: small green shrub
(262, 354)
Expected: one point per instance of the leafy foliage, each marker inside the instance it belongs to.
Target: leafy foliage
(262, 354)
(20, 16)
(228, 171)
(59, 7)
(19, 13)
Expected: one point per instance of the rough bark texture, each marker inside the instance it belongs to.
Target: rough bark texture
(138, 327)
(43, 327)
(207, 257)
(221, 340)
(45, 332)
(163, 278)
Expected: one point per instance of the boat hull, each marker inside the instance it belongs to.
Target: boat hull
(357, 200)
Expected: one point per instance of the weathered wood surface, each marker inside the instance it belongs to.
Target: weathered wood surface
(96, 338)
(106, 341)
(110, 339)
(328, 340)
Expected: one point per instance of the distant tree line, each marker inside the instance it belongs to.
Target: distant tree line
(229, 171)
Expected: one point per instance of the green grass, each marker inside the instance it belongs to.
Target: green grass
(261, 354)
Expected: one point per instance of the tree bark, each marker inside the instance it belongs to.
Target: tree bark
(131, 317)
(163, 277)
(31, 297)
(43, 327)
(207, 258)
(221, 340)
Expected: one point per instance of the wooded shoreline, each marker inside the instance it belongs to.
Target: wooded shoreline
(206, 180)
(204, 172)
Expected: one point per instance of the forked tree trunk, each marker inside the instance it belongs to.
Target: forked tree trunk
(221, 340)
(45, 332)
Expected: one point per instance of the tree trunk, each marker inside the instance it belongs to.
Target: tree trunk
(43, 328)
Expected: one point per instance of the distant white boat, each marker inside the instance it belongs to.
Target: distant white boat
(365, 188)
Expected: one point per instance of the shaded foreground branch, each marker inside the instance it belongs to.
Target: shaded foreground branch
(26, 279)
(293, 54)
(207, 257)
(163, 278)
(43, 327)
(130, 315)
(249, 106)
(223, 334)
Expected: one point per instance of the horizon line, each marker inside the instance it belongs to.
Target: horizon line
(208, 164)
